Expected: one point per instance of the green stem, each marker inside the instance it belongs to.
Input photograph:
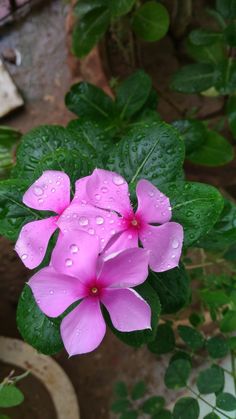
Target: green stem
(206, 402)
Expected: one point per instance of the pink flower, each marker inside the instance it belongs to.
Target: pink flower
(150, 223)
(51, 192)
(77, 273)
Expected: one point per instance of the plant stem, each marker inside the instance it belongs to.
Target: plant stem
(209, 404)
(203, 265)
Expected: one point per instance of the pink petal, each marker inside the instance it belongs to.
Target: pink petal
(125, 240)
(84, 328)
(75, 254)
(55, 292)
(94, 221)
(81, 195)
(153, 206)
(128, 311)
(165, 243)
(128, 269)
(33, 240)
(108, 190)
(51, 192)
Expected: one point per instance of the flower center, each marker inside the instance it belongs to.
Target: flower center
(94, 290)
(134, 223)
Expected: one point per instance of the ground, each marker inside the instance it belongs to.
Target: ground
(44, 76)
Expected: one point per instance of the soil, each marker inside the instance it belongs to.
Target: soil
(46, 73)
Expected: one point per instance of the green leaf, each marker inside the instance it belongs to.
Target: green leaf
(196, 319)
(89, 30)
(215, 151)
(172, 287)
(153, 151)
(132, 93)
(164, 341)
(10, 396)
(193, 133)
(140, 337)
(120, 7)
(186, 408)
(83, 7)
(181, 355)
(138, 390)
(44, 140)
(217, 347)
(194, 78)
(228, 323)
(151, 21)
(196, 206)
(231, 114)
(192, 337)
(223, 233)
(13, 213)
(232, 343)
(211, 380)
(153, 405)
(89, 101)
(226, 402)
(227, 8)
(4, 417)
(69, 161)
(204, 37)
(8, 141)
(120, 389)
(225, 81)
(230, 34)
(130, 414)
(163, 414)
(216, 298)
(208, 54)
(211, 415)
(177, 374)
(120, 406)
(40, 331)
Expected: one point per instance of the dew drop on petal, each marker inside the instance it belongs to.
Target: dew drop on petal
(130, 236)
(104, 189)
(51, 292)
(74, 248)
(24, 256)
(99, 220)
(91, 231)
(83, 221)
(40, 200)
(151, 193)
(58, 182)
(113, 232)
(118, 180)
(175, 243)
(97, 196)
(38, 191)
(68, 262)
(53, 190)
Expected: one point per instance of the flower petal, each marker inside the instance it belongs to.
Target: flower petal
(128, 269)
(81, 195)
(84, 328)
(165, 243)
(33, 240)
(75, 254)
(128, 311)
(120, 242)
(108, 190)
(94, 221)
(153, 206)
(55, 292)
(51, 192)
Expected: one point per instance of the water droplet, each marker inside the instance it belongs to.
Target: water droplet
(74, 248)
(175, 243)
(91, 231)
(24, 256)
(58, 182)
(68, 262)
(113, 232)
(104, 189)
(53, 190)
(111, 221)
(97, 196)
(99, 220)
(40, 200)
(151, 193)
(51, 292)
(38, 191)
(83, 221)
(118, 180)
(130, 236)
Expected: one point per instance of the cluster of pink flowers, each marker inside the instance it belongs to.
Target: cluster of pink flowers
(97, 259)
